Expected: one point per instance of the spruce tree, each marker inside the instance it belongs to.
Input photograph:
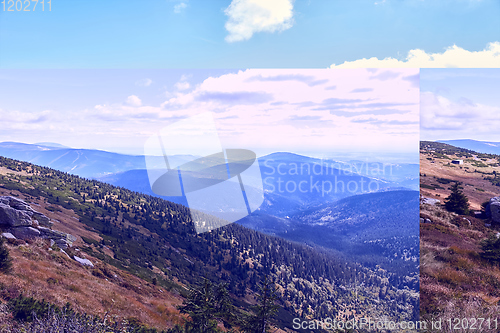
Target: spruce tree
(491, 248)
(457, 202)
(205, 306)
(264, 311)
(5, 259)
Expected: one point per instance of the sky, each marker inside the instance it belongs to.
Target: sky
(252, 34)
(460, 104)
(307, 111)
(149, 63)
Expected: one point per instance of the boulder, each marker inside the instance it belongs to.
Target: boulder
(14, 218)
(63, 240)
(21, 219)
(430, 201)
(15, 212)
(25, 232)
(42, 219)
(52, 234)
(494, 209)
(84, 262)
(8, 235)
(18, 204)
(62, 243)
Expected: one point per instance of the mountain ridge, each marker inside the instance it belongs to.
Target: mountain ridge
(144, 232)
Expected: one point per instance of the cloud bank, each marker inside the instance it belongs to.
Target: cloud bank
(452, 57)
(441, 118)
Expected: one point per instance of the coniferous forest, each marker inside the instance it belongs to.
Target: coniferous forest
(146, 232)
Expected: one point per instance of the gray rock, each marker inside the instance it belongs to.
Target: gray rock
(8, 235)
(18, 204)
(52, 234)
(15, 212)
(63, 240)
(14, 218)
(428, 221)
(43, 220)
(422, 220)
(430, 201)
(25, 232)
(494, 208)
(18, 215)
(84, 262)
(62, 243)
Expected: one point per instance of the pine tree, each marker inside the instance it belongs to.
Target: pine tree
(205, 306)
(491, 248)
(5, 259)
(457, 202)
(264, 311)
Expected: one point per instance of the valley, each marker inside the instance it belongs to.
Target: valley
(154, 240)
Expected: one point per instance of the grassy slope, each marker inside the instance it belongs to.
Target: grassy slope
(43, 273)
(455, 281)
(151, 238)
(105, 291)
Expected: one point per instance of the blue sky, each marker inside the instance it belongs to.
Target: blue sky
(317, 112)
(460, 104)
(241, 33)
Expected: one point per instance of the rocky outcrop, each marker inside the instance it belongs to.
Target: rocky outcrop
(20, 220)
(25, 232)
(494, 209)
(15, 212)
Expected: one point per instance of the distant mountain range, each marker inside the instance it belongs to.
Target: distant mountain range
(87, 163)
(51, 145)
(485, 147)
(294, 182)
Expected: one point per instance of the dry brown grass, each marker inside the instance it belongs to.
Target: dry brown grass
(455, 282)
(46, 274)
(471, 180)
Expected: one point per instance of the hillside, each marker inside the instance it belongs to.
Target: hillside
(478, 173)
(374, 228)
(155, 240)
(485, 147)
(457, 281)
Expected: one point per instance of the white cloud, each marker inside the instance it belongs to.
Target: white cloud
(264, 110)
(452, 57)
(179, 7)
(134, 100)
(144, 82)
(24, 117)
(441, 118)
(247, 17)
(183, 84)
(278, 109)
